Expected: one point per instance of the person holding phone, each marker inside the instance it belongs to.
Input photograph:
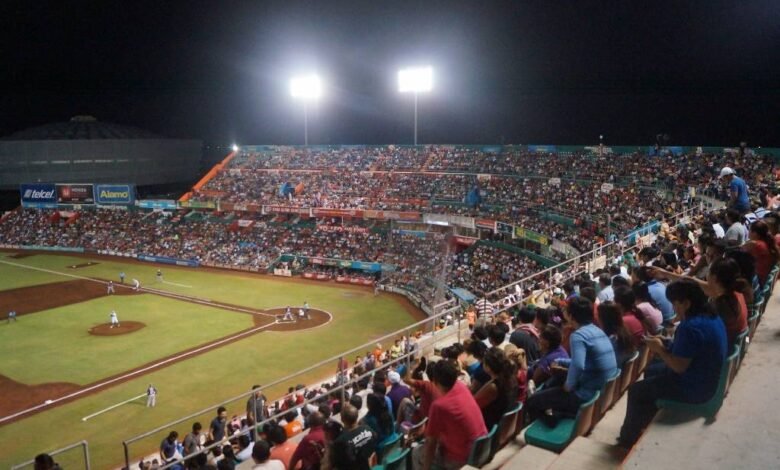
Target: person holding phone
(693, 362)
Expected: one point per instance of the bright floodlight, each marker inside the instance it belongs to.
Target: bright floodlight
(235, 148)
(415, 80)
(307, 88)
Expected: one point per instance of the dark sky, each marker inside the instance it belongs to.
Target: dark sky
(704, 72)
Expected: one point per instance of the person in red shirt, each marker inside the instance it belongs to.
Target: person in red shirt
(312, 447)
(625, 300)
(455, 410)
(763, 248)
(729, 304)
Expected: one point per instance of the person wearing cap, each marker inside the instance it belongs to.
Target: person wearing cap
(398, 390)
(738, 190)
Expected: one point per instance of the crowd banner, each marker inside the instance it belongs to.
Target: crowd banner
(121, 194)
(530, 235)
(341, 229)
(198, 204)
(273, 209)
(38, 195)
(69, 249)
(489, 224)
(75, 193)
(358, 213)
(165, 260)
(444, 219)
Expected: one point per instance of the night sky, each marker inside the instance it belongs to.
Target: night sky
(540, 72)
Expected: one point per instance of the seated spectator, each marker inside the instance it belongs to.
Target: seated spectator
(457, 410)
(517, 357)
(283, 449)
(729, 304)
(245, 448)
(657, 291)
(477, 350)
(311, 449)
(737, 233)
(622, 340)
(45, 462)
(526, 335)
(605, 284)
(592, 363)
(625, 301)
(499, 394)
(693, 361)
(261, 454)
(646, 308)
(550, 342)
(355, 445)
(762, 246)
(379, 420)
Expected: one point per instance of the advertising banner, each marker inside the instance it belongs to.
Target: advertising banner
(174, 261)
(502, 227)
(75, 194)
(338, 213)
(168, 204)
(341, 229)
(530, 235)
(38, 195)
(122, 194)
(198, 204)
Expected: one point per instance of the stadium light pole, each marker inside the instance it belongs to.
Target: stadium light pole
(307, 89)
(415, 80)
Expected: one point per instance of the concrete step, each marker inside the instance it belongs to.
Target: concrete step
(587, 454)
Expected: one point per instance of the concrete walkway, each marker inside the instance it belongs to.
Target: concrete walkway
(746, 433)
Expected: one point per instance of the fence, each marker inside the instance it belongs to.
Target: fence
(433, 338)
(75, 455)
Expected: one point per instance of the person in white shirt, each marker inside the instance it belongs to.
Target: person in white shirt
(737, 233)
(606, 294)
(246, 447)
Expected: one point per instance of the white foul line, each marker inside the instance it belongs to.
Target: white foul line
(112, 407)
(139, 371)
(178, 285)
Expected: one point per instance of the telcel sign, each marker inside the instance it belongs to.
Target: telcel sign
(38, 195)
(115, 194)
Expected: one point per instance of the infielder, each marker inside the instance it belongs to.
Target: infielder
(136, 285)
(114, 320)
(288, 316)
(122, 277)
(159, 276)
(306, 309)
(151, 396)
(301, 314)
(11, 316)
(110, 288)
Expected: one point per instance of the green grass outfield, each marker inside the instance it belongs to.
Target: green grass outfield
(202, 380)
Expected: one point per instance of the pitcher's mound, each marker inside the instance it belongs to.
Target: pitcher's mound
(124, 328)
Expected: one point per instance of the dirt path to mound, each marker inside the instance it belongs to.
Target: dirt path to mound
(33, 299)
(124, 328)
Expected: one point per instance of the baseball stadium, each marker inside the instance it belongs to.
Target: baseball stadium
(188, 297)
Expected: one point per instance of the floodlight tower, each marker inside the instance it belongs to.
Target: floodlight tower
(307, 89)
(415, 80)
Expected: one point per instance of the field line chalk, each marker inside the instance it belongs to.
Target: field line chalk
(112, 407)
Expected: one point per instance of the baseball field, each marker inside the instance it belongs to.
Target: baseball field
(199, 335)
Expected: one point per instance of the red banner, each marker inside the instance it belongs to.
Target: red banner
(341, 228)
(485, 223)
(338, 213)
(468, 241)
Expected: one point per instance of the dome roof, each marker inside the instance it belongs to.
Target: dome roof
(81, 128)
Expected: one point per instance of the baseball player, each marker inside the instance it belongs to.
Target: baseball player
(288, 316)
(114, 320)
(306, 309)
(122, 277)
(151, 396)
(11, 316)
(301, 314)
(110, 288)
(159, 276)
(136, 285)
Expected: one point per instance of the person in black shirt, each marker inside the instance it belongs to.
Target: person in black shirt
(354, 447)
(526, 336)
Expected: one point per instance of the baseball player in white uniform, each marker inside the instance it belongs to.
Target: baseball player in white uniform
(288, 316)
(114, 320)
(136, 285)
(151, 396)
(159, 276)
(110, 288)
(301, 314)
(306, 309)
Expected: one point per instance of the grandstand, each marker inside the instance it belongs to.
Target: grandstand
(450, 227)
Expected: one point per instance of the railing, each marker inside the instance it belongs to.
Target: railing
(83, 457)
(426, 344)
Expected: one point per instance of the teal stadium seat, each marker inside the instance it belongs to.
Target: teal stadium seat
(506, 428)
(481, 449)
(556, 439)
(399, 461)
(607, 397)
(709, 408)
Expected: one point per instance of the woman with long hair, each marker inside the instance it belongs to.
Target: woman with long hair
(762, 246)
(379, 420)
(612, 323)
(632, 320)
(499, 394)
(727, 301)
(652, 317)
(551, 350)
(693, 361)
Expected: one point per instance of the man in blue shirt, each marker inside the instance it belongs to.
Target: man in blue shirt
(738, 190)
(592, 364)
(657, 292)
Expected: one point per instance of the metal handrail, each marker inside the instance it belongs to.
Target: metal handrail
(83, 444)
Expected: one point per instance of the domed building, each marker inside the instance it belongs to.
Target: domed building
(85, 150)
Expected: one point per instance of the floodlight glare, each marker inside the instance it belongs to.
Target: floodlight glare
(415, 80)
(307, 87)
(235, 148)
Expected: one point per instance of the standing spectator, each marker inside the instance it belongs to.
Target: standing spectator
(261, 454)
(455, 410)
(693, 362)
(192, 440)
(355, 445)
(605, 284)
(217, 428)
(398, 390)
(526, 335)
(737, 233)
(283, 449)
(255, 409)
(738, 190)
(311, 449)
(592, 363)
